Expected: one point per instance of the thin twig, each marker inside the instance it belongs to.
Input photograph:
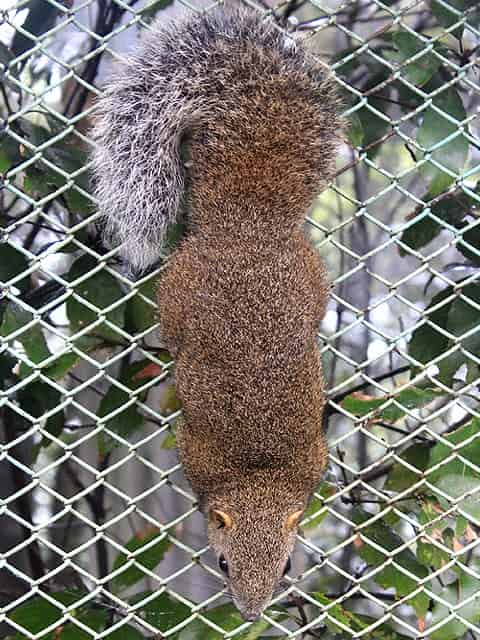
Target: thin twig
(364, 385)
(23, 501)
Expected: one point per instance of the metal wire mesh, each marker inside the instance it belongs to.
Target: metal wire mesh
(100, 532)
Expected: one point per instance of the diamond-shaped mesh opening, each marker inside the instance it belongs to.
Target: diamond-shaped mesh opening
(101, 535)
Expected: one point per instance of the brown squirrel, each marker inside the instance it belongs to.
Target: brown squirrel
(242, 295)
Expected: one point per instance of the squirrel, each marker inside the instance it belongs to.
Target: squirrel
(242, 294)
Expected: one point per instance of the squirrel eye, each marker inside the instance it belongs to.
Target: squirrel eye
(288, 566)
(223, 564)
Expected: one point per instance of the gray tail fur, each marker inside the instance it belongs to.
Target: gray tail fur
(168, 88)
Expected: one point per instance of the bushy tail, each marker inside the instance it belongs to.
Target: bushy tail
(256, 109)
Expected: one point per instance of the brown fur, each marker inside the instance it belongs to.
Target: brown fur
(242, 296)
(240, 305)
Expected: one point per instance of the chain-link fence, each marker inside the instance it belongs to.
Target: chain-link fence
(100, 535)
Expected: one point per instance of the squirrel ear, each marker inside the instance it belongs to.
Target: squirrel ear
(220, 518)
(293, 519)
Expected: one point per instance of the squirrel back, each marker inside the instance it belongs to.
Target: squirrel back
(222, 120)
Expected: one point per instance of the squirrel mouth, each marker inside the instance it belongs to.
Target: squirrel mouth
(249, 613)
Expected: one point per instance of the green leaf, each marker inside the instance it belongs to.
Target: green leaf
(168, 401)
(374, 127)
(434, 129)
(12, 263)
(469, 244)
(227, 617)
(68, 361)
(345, 66)
(437, 528)
(432, 512)
(152, 8)
(446, 17)
(337, 613)
(355, 130)
(9, 153)
(42, 179)
(126, 632)
(170, 441)
(455, 478)
(316, 509)
(391, 576)
(384, 409)
(461, 525)
(38, 398)
(158, 544)
(163, 612)
(422, 69)
(431, 555)
(62, 366)
(411, 399)
(380, 632)
(427, 342)
(141, 311)
(101, 289)
(124, 423)
(353, 621)
(401, 477)
(32, 339)
(127, 421)
(420, 233)
(37, 613)
(361, 405)
(456, 594)
(94, 618)
(462, 317)
(408, 97)
(457, 316)
(452, 210)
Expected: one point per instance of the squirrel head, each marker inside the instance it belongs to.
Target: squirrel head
(253, 541)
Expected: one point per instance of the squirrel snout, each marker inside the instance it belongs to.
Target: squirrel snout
(250, 616)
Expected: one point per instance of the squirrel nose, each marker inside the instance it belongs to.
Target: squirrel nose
(250, 616)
